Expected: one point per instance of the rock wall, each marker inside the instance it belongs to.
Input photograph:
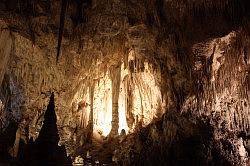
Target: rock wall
(222, 71)
(134, 93)
(152, 68)
(212, 124)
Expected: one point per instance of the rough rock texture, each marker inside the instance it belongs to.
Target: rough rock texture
(213, 123)
(173, 75)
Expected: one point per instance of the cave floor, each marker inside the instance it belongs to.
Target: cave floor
(100, 152)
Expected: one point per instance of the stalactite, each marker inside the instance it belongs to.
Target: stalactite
(137, 83)
(126, 59)
(62, 19)
(5, 51)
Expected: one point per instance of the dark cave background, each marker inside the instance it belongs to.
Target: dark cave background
(58, 52)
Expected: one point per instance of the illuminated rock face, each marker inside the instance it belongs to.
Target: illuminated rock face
(162, 71)
(213, 119)
(139, 96)
(225, 90)
(33, 73)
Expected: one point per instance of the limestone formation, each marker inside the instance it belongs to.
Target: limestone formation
(135, 82)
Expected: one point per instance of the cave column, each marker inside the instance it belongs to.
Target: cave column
(91, 115)
(115, 72)
(129, 101)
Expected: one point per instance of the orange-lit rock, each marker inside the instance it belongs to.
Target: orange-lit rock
(137, 82)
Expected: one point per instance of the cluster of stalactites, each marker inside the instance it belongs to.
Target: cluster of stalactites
(126, 97)
(222, 85)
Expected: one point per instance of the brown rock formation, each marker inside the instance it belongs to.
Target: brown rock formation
(171, 74)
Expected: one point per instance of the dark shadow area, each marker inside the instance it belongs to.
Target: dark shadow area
(175, 141)
(45, 150)
(7, 135)
(7, 139)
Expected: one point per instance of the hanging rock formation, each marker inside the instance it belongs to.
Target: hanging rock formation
(137, 82)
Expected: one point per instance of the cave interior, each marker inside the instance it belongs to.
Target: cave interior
(125, 82)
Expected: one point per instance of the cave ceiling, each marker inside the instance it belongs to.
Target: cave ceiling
(203, 18)
(172, 68)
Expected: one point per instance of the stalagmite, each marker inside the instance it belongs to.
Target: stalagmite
(14, 150)
(140, 82)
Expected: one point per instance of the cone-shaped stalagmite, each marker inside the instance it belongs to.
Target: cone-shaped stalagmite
(49, 132)
(45, 150)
